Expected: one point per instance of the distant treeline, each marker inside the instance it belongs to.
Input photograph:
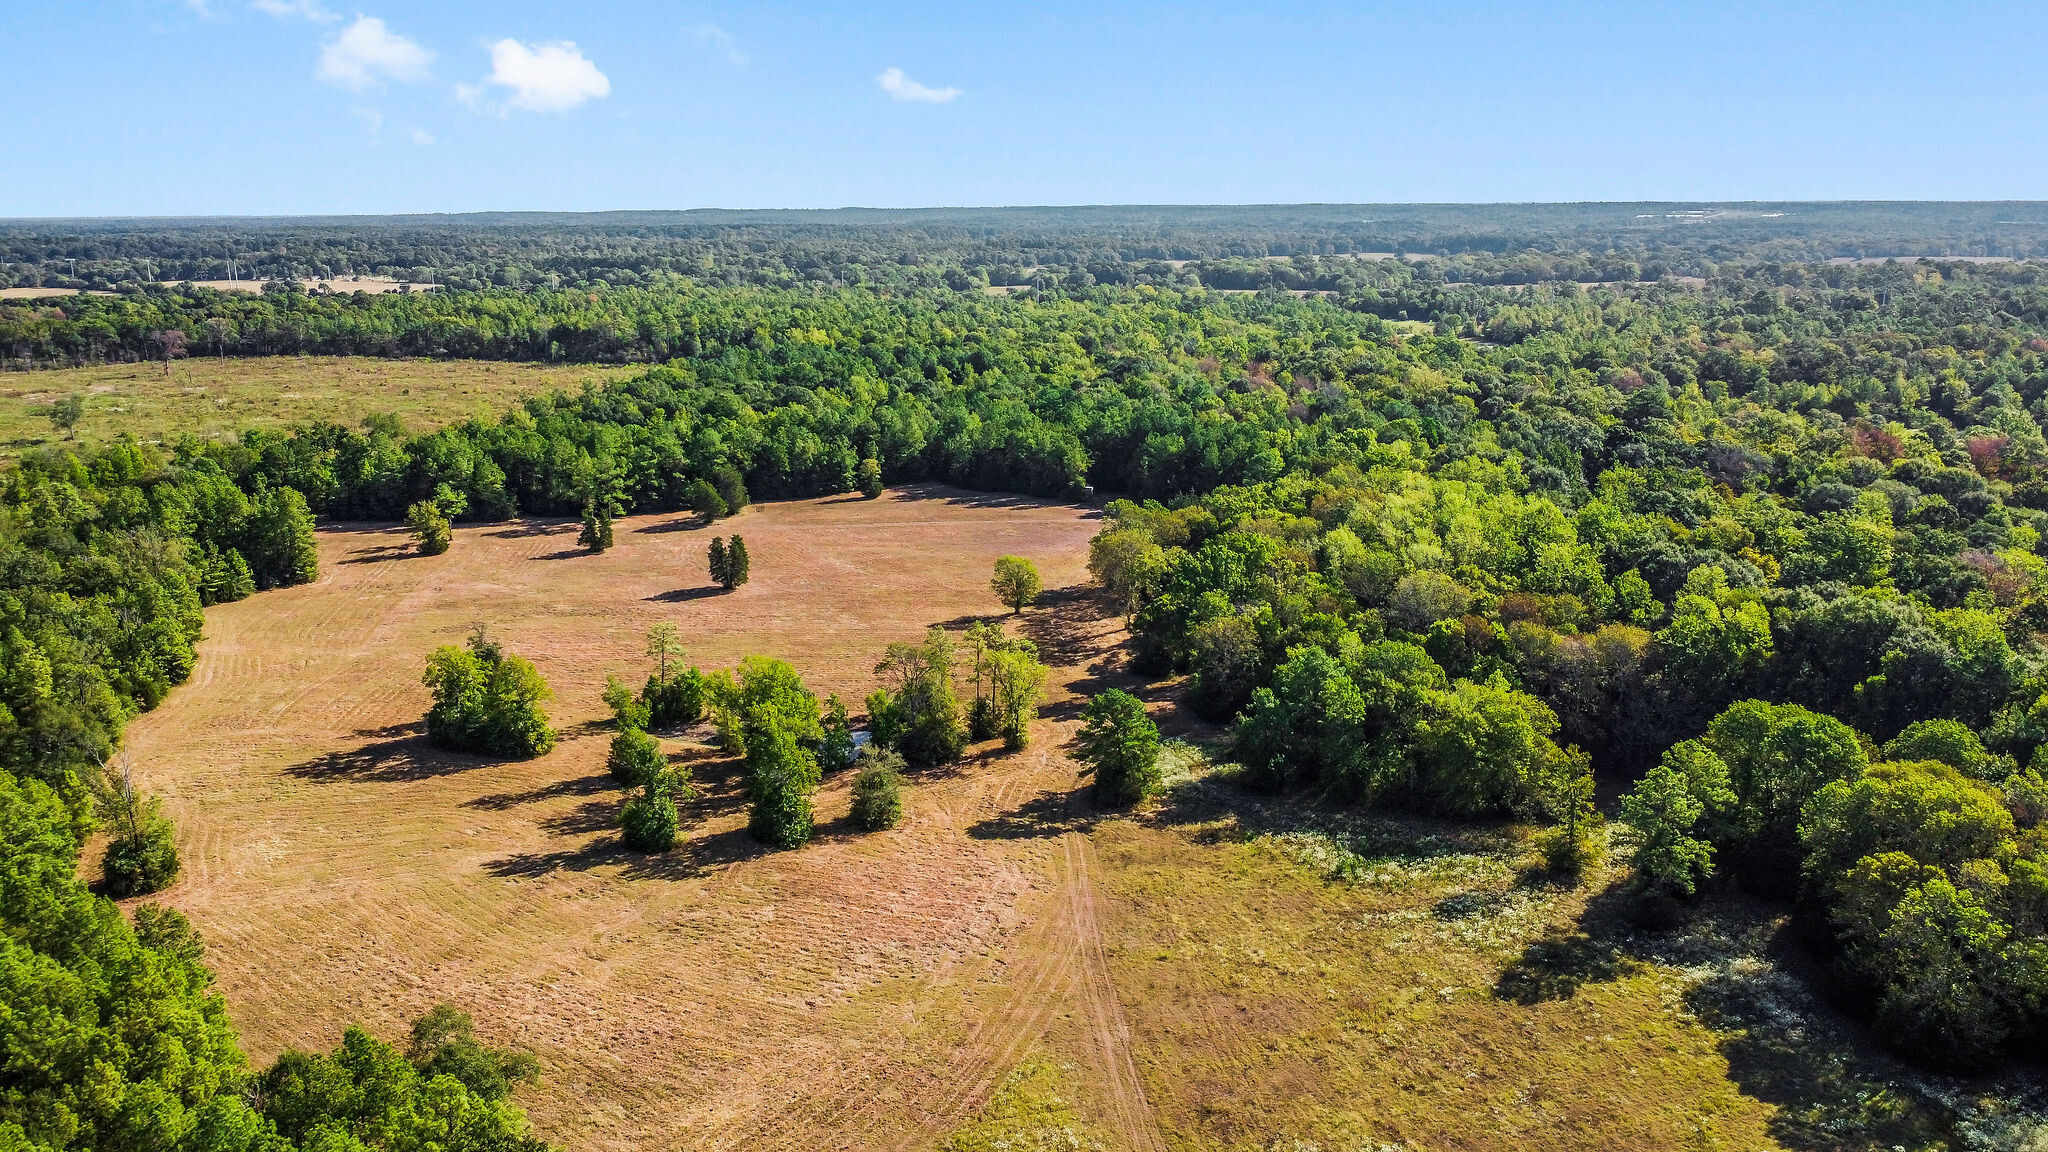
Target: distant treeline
(927, 248)
(1970, 302)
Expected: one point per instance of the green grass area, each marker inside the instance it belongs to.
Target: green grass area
(1304, 977)
(222, 398)
(1030, 1112)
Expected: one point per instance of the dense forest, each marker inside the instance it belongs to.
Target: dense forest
(1508, 243)
(1766, 552)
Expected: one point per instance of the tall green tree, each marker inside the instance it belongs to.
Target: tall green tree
(1121, 744)
(1015, 582)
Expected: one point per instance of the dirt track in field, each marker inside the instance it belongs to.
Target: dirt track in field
(867, 991)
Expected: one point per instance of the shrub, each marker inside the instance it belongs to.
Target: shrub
(635, 758)
(1568, 850)
(676, 702)
(597, 527)
(836, 749)
(871, 478)
(648, 820)
(878, 791)
(142, 855)
(430, 529)
(704, 500)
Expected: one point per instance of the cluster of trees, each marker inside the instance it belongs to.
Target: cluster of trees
(1009, 684)
(487, 700)
(112, 1039)
(1926, 856)
(672, 697)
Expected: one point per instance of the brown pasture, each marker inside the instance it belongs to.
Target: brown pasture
(1188, 981)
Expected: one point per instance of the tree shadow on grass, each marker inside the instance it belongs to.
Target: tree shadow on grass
(567, 553)
(1047, 815)
(580, 786)
(1832, 1086)
(395, 758)
(523, 529)
(380, 555)
(587, 817)
(1556, 966)
(1065, 625)
(969, 499)
(685, 595)
(680, 524)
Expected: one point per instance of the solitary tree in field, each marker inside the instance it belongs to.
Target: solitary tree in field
(597, 526)
(169, 345)
(64, 414)
(1015, 582)
(871, 478)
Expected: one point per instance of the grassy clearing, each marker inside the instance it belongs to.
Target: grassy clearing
(1299, 978)
(209, 397)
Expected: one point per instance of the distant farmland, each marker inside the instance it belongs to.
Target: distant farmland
(207, 397)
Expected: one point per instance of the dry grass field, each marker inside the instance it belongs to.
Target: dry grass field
(1010, 969)
(207, 397)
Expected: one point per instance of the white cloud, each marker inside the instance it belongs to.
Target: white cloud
(204, 9)
(422, 137)
(902, 87)
(549, 77)
(367, 52)
(720, 41)
(371, 118)
(310, 10)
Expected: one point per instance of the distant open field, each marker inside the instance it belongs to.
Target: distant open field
(1011, 965)
(374, 285)
(204, 396)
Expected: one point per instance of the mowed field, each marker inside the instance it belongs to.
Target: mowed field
(1011, 968)
(207, 397)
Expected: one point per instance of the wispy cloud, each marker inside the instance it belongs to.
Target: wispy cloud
(367, 52)
(372, 118)
(204, 9)
(421, 137)
(310, 10)
(719, 41)
(553, 76)
(902, 87)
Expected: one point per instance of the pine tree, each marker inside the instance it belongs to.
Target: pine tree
(737, 563)
(597, 527)
(721, 565)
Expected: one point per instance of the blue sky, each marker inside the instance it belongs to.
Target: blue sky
(330, 106)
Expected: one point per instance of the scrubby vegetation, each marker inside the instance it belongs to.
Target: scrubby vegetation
(487, 700)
